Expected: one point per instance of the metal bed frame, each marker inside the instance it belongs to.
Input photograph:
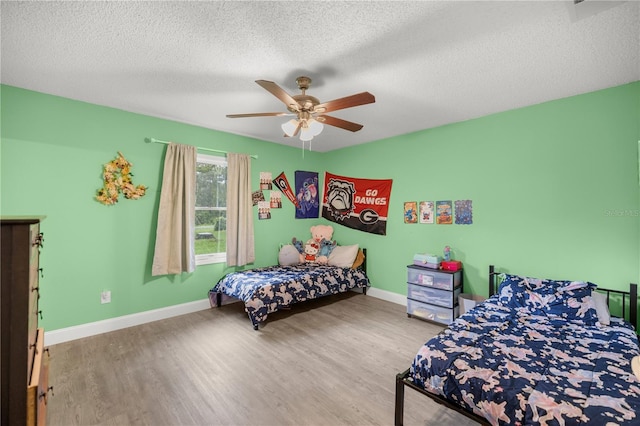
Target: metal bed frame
(405, 379)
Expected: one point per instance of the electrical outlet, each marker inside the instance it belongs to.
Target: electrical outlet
(105, 297)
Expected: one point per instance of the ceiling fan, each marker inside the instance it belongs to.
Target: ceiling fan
(309, 111)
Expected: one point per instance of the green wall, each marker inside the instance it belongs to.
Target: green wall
(554, 187)
(52, 152)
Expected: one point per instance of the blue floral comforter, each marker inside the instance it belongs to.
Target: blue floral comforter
(265, 290)
(535, 354)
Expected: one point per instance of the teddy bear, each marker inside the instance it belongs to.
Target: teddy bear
(321, 233)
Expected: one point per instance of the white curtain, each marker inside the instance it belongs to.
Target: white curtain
(175, 234)
(240, 244)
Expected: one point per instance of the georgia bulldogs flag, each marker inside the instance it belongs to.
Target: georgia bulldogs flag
(357, 203)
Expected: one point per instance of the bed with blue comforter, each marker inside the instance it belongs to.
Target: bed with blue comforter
(535, 353)
(266, 290)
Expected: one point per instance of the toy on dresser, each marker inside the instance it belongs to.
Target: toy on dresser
(451, 265)
(446, 253)
(427, 260)
(432, 261)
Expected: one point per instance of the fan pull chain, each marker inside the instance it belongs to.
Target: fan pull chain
(303, 147)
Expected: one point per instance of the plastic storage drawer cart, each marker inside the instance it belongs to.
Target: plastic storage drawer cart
(432, 294)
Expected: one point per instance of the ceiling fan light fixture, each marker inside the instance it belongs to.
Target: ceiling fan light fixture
(305, 136)
(289, 128)
(315, 127)
(308, 129)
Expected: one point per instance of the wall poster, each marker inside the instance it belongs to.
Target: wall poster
(443, 212)
(410, 212)
(308, 206)
(426, 211)
(464, 212)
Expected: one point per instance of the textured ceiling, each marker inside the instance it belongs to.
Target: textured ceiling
(428, 63)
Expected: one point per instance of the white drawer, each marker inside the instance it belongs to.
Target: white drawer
(431, 312)
(433, 278)
(432, 295)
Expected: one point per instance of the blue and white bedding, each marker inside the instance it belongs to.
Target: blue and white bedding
(535, 354)
(265, 290)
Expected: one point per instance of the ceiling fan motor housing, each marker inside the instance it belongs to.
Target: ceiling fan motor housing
(303, 82)
(305, 102)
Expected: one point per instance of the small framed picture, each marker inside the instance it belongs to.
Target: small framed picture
(410, 212)
(275, 199)
(264, 210)
(464, 212)
(426, 212)
(444, 213)
(265, 181)
(257, 196)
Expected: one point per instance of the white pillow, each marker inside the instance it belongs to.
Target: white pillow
(288, 255)
(600, 301)
(343, 256)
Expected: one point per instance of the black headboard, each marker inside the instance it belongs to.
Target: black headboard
(631, 295)
(492, 280)
(364, 262)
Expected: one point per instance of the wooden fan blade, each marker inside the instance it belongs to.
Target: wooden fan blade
(258, 114)
(279, 93)
(346, 102)
(297, 130)
(338, 122)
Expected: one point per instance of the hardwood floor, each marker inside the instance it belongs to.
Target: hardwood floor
(326, 362)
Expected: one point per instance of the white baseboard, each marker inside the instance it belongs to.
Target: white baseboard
(387, 295)
(91, 329)
(112, 324)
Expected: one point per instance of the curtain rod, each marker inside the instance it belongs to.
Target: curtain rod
(154, 140)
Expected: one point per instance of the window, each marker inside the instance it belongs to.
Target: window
(211, 209)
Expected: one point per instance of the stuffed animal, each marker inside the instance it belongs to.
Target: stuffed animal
(288, 255)
(326, 247)
(311, 249)
(320, 232)
(298, 245)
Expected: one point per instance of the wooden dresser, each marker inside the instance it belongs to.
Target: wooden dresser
(24, 364)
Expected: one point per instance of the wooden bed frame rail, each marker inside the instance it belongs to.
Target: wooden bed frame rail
(404, 379)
